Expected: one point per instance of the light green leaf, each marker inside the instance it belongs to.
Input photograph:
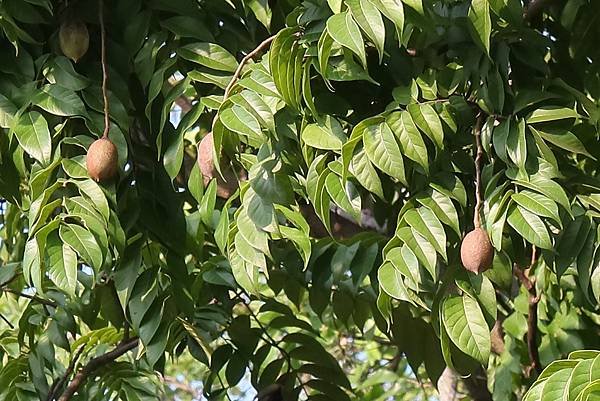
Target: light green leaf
(530, 226)
(59, 101)
(363, 170)
(62, 264)
(32, 132)
(411, 142)
(390, 280)
(427, 224)
(342, 28)
(551, 113)
(394, 11)
(538, 204)
(428, 121)
(209, 55)
(383, 151)
(370, 21)
(565, 140)
(466, 327)
(443, 208)
(481, 23)
(84, 243)
(327, 135)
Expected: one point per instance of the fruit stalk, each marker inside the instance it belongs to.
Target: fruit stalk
(104, 68)
(478, 157)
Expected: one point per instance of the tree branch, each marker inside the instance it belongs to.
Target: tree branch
(478, 157)
(35, 298)
(238, 71)
(532, 316)
(68, 372)
(96, 363)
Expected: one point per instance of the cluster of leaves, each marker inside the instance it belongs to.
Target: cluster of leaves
(359, 110)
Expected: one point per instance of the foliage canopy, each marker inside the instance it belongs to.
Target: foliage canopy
(336, 265)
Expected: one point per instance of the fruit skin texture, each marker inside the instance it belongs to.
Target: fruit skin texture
(74, 39)
(227, 184)
(102, 160)
(476, 251)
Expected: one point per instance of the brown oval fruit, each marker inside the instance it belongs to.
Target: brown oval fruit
(476, 251)
(74, 39)
(227, 184)
(102, 160)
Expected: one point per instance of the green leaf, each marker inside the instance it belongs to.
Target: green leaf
(62, 264)
(557, 386)
(443, 208)
(383, 151)
(342, 28)
(84, 243)
(516, 144)
(551, 113)
(530, 227)
(390, 280)
(92, 190)
(421, 247)
(538, 204)
(363, 170)
(32, 132)
(428, 121)
(466, 327)
(549, 188)
(348, 198)
(59, 101)
(481, 23)
(394, 11)
(7, 112)
(239, 120)
(427, 224)
(563, 139)
(327, 135)
(411, 142)
(370, 21)
(209, 55)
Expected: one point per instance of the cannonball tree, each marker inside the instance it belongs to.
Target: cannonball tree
(269, 198)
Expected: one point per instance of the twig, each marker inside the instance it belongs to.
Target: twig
(104, 69)
(479, 155)
(7, 321)
(246, 58)
(269, 339)
(35, 298)
(96, 363)
(65, 377)
(532, 317)
(238, 71)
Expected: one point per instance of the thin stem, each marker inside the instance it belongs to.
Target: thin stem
(104, 69)
(35, 298)
(238, 71)
(68, 372)
(7, 321)
(478, 157)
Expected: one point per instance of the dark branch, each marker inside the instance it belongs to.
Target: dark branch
(68, 372)
(96, 363)
(532, 316)
(35, 298)
(478, 157)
